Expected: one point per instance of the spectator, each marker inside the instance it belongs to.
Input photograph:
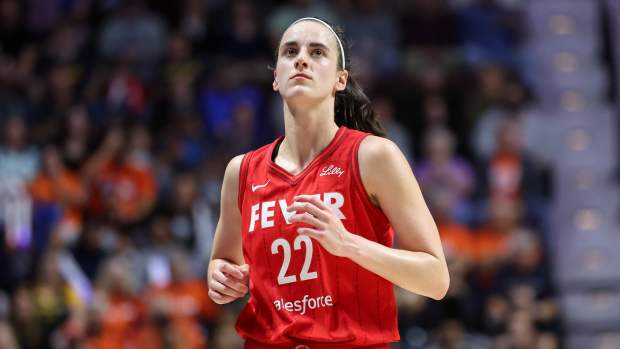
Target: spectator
(493, 237)
(395, 131)
(492, 244)
(124, 180)
(68, 44)
(521, 332)
(78, 140)
(442, 174)
(242, 36)
(126, 92)
(187, 144)
(222, 98)
(283, 15)
(374, 33)
(512, 174)
(18, 165)
(181, 68)
(490, 81)
(195, 24)
(512, 104)
(117, 307)
(52, 296)
(185, 210)
(184, 303)
(457, 239)
(490, 33)
(134, 34)
(18, 159)
(28, 327)
(58, 194)
(429, 35)
(528, 283)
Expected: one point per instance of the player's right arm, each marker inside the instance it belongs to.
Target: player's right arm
(228, 274)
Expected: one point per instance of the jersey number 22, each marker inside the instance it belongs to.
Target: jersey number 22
(286, 249)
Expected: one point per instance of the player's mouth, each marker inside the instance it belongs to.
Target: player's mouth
(301, 76)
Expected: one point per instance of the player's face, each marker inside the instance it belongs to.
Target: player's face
(307, 65)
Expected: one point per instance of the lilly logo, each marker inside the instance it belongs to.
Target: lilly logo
(331, 170)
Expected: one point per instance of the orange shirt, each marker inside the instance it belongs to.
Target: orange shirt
(457, 240)
(490, 245)
(120, 321)
(180, 334)
(126, 188)
(187, 303)
(45, 189)
(190, 299)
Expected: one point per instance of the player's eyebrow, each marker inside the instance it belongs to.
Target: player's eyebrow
(312, 44)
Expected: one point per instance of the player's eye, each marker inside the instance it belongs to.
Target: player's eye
(317, 52)
(291, 51)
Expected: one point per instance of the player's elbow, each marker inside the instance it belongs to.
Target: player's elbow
(442, 286)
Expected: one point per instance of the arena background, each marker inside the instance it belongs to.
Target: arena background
(118, 117)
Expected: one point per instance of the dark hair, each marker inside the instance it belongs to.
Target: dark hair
(353, 108)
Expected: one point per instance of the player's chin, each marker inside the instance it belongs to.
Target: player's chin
(299, 92)
(304, 97)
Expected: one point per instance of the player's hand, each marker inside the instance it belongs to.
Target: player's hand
(227, 281)
(327, 228)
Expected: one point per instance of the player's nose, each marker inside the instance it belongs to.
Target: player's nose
(301, 62)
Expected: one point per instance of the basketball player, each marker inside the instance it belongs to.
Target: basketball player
(307, 222)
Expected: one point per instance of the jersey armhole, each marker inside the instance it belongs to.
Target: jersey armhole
(243, 175)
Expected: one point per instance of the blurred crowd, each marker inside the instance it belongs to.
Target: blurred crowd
(117, 119)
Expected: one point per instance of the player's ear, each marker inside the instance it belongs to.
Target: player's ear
(275, 81)
(343, 77)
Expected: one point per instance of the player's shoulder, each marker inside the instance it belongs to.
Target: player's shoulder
(380, 160)
(375, 150)
(231, 174)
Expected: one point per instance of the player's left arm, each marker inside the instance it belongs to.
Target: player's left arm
(418, 265)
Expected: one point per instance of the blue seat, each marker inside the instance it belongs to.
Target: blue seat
(592, 311)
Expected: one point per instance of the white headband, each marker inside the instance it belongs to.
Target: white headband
(331, 29)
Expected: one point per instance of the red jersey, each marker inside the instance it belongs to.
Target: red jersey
(301, 296)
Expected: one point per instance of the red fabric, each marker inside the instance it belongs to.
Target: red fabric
(506, 174)
(345, 303)
(255, 345)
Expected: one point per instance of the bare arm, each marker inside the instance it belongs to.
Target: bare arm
(227, 240)
(419, 264)
(228, 275)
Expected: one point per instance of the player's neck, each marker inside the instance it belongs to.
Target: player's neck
(307, 132)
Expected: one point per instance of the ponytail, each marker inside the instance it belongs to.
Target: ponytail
(354, 110)
(352, 107)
